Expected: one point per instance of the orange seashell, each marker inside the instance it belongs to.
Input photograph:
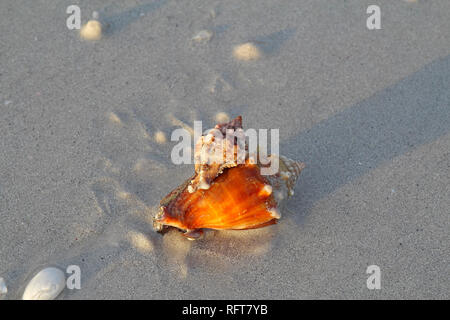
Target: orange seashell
(240, 198)
(237, 198)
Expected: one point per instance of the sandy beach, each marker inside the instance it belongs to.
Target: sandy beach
(85, 145)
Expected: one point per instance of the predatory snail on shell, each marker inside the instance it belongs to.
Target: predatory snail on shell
(228, 192)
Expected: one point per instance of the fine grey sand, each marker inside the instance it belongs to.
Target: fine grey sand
(84, 162)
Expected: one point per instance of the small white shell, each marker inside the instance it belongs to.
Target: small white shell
(46, 285)
(203, 35)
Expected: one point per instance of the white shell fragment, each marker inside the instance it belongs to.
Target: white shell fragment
(203, 35)
(266, 190)
(275, 213)
(46, 285)
(3, 287)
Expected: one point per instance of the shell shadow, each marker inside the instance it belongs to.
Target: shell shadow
(412, 112)
(117, 22)
(271, 44)
(219, 251)
(220, 29)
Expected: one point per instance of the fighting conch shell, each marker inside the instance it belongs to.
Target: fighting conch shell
(227, 194)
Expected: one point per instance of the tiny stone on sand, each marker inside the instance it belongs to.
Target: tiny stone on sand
(246, 52)
(91, 30)
(114, 118)
(222, 117)
(160, 137)
(203, 35)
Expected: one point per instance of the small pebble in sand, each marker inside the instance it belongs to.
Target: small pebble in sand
(91, 30)
(247, 51)
(203, 35)
(45, 285)
(3, 287)
(114, 118)
(222, 117)
(212, 13)
(160, 137)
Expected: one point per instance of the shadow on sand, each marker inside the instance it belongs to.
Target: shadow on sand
(414, 111)
(117, 22)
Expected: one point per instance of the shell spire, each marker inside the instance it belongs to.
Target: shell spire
(228, 194)
(211, 155)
